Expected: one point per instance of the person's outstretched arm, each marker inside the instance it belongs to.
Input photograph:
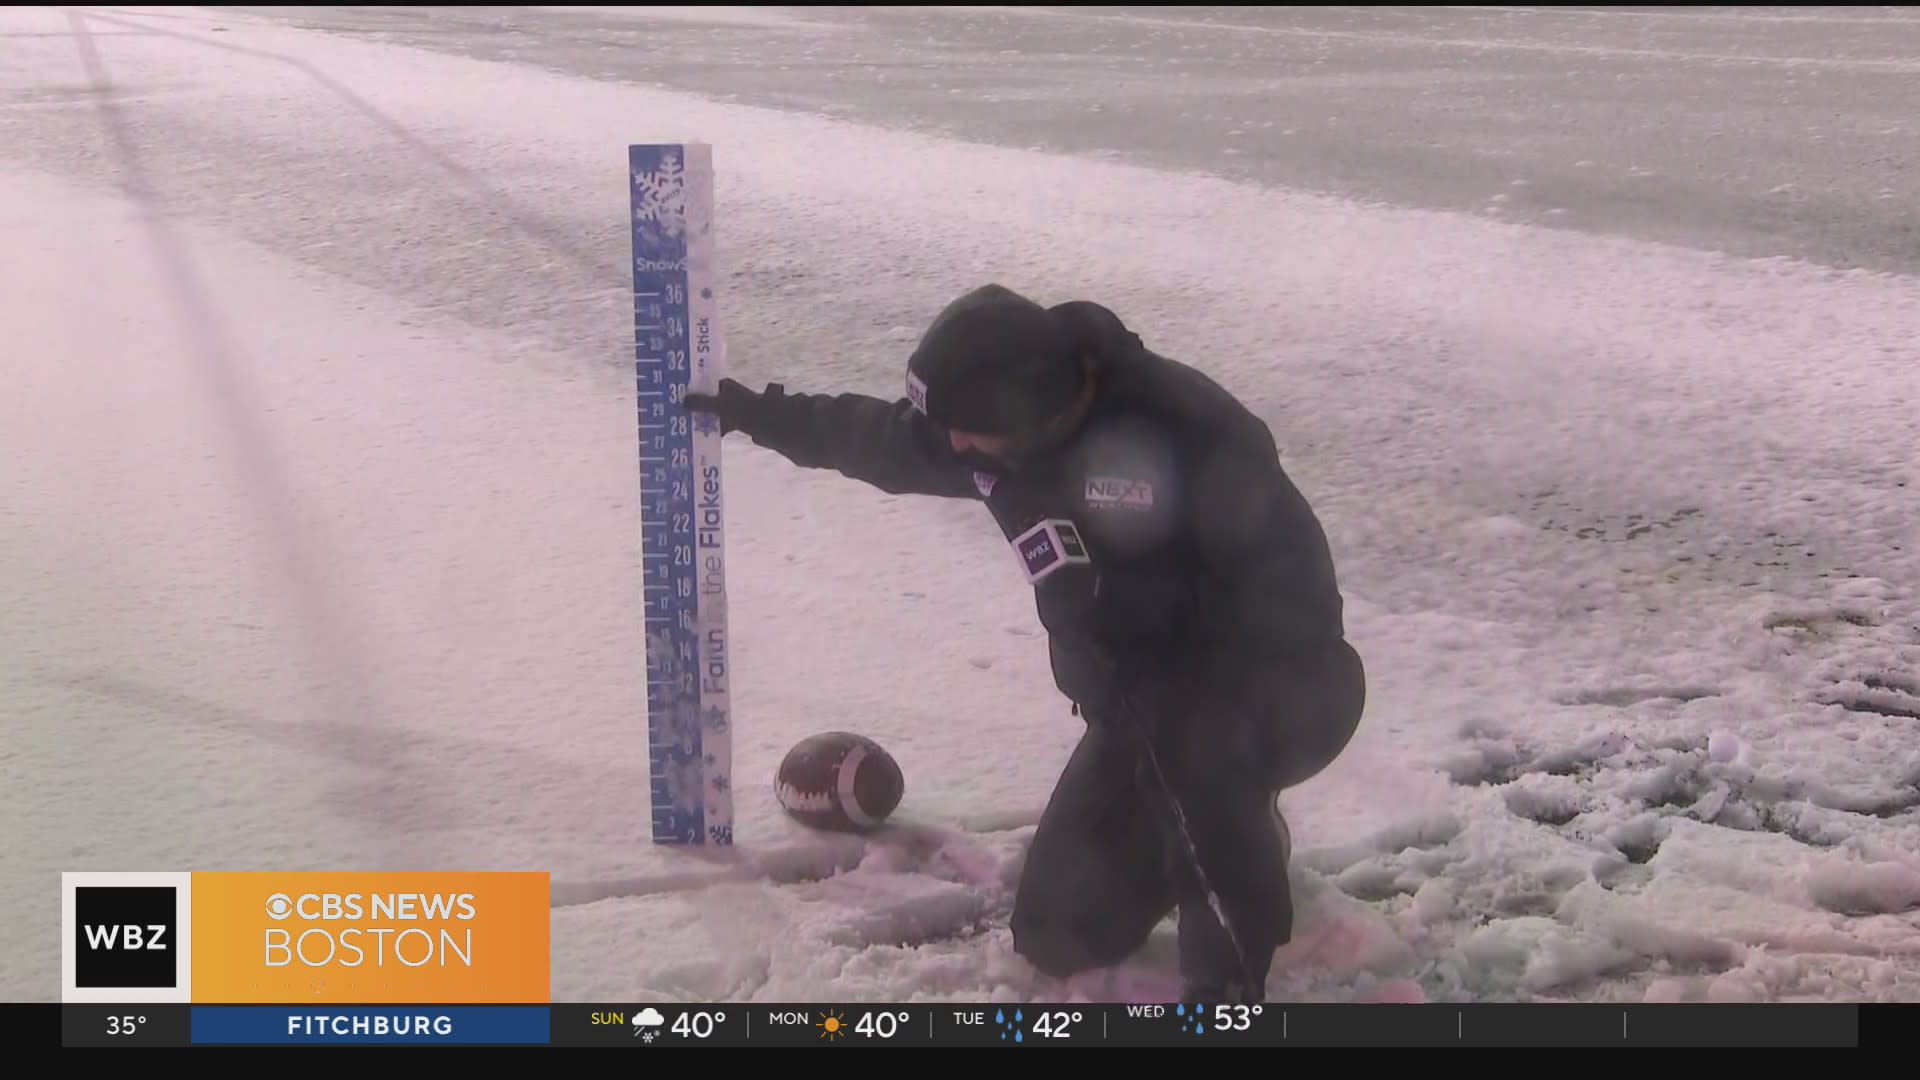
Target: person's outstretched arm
(888, 444)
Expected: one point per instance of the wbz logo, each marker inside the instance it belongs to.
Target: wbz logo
(125, 937)
(133, 936)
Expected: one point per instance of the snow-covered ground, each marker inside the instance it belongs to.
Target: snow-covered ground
(319, 536)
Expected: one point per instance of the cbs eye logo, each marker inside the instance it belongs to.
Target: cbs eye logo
(319, 907)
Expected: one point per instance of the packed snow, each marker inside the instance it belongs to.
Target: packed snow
(321, 532)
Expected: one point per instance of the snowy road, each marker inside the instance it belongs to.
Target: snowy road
(321, 526)
(1754, 132)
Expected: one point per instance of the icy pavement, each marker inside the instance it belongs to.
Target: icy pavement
(1755, 131)
(322, 507)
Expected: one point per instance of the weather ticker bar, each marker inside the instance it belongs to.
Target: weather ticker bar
(959, 1025)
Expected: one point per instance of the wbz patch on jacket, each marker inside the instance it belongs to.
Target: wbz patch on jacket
(388, 938)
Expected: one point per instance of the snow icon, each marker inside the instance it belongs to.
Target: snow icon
(659, 198)
(645, 1021)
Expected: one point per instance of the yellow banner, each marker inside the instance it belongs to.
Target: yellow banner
(371, 938)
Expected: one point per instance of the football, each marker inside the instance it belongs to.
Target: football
(840, 782)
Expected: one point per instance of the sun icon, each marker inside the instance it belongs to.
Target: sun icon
(832, 1026)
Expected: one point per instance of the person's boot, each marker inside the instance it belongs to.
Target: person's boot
(1205, 992)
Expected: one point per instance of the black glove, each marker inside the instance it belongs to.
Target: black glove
(1142, 614)
(1141, 628)
(1105, 690)
(737, 407)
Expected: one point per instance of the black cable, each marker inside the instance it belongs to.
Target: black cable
(1184, 839)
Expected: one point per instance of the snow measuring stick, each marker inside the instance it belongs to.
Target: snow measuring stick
(676, 348)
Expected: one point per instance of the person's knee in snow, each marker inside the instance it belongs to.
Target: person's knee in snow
(1059, 946)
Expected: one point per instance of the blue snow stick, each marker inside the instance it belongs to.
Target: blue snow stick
(677, 348)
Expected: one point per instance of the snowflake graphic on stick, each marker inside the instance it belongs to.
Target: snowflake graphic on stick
(659, 198)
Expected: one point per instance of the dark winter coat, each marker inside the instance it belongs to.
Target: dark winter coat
(1203, 553)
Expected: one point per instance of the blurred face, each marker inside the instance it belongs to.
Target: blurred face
(993, 447)
(1002, 451)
